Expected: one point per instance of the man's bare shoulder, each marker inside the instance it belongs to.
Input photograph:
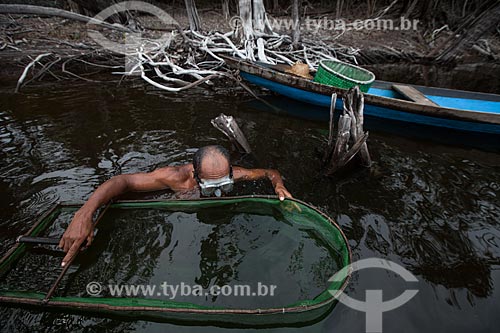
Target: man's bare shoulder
(176, 174)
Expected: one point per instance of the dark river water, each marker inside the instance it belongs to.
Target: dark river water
(432, 208)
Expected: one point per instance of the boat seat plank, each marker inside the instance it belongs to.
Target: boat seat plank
(413, 94)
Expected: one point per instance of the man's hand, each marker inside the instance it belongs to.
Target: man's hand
(81, 227)
(282, 192)
(79, 230)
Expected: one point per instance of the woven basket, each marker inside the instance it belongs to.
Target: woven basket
(343, 75)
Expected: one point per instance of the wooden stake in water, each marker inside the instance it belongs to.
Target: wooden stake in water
(228, 126)
(350, 132)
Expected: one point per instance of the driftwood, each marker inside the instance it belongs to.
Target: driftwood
(228, 126)
(27, 68)
(350, 131)
(189, 58)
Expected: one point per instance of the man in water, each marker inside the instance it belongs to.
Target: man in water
(211, 173)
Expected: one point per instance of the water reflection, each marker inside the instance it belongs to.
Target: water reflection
(434, 209)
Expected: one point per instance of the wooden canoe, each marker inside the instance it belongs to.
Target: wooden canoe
(437, 107)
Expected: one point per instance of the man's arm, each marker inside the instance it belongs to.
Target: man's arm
(81, 227)
(254, 174)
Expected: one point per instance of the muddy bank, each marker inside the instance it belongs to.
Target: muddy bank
(391, 55)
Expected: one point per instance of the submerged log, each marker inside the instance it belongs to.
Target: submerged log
(350, 132)
(228, 126)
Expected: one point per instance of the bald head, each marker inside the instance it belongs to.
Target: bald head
(211, 162)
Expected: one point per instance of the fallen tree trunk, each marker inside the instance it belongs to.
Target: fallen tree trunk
(49, 11)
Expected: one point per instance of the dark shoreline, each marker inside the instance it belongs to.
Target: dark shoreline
(383, 52)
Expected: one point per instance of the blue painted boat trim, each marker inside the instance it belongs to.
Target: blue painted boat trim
(372, 110)
(445, 101)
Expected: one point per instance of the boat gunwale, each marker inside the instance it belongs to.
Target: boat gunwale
(381, 101)
(442, 92)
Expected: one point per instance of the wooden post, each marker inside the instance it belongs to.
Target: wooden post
(350, 132)
(341, 144)
(333, 101)
(329, 151)
(356, 106)
(228, 126)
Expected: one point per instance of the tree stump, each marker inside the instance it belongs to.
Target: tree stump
(351, 139)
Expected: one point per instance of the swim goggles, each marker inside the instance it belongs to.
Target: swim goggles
(209, 187)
